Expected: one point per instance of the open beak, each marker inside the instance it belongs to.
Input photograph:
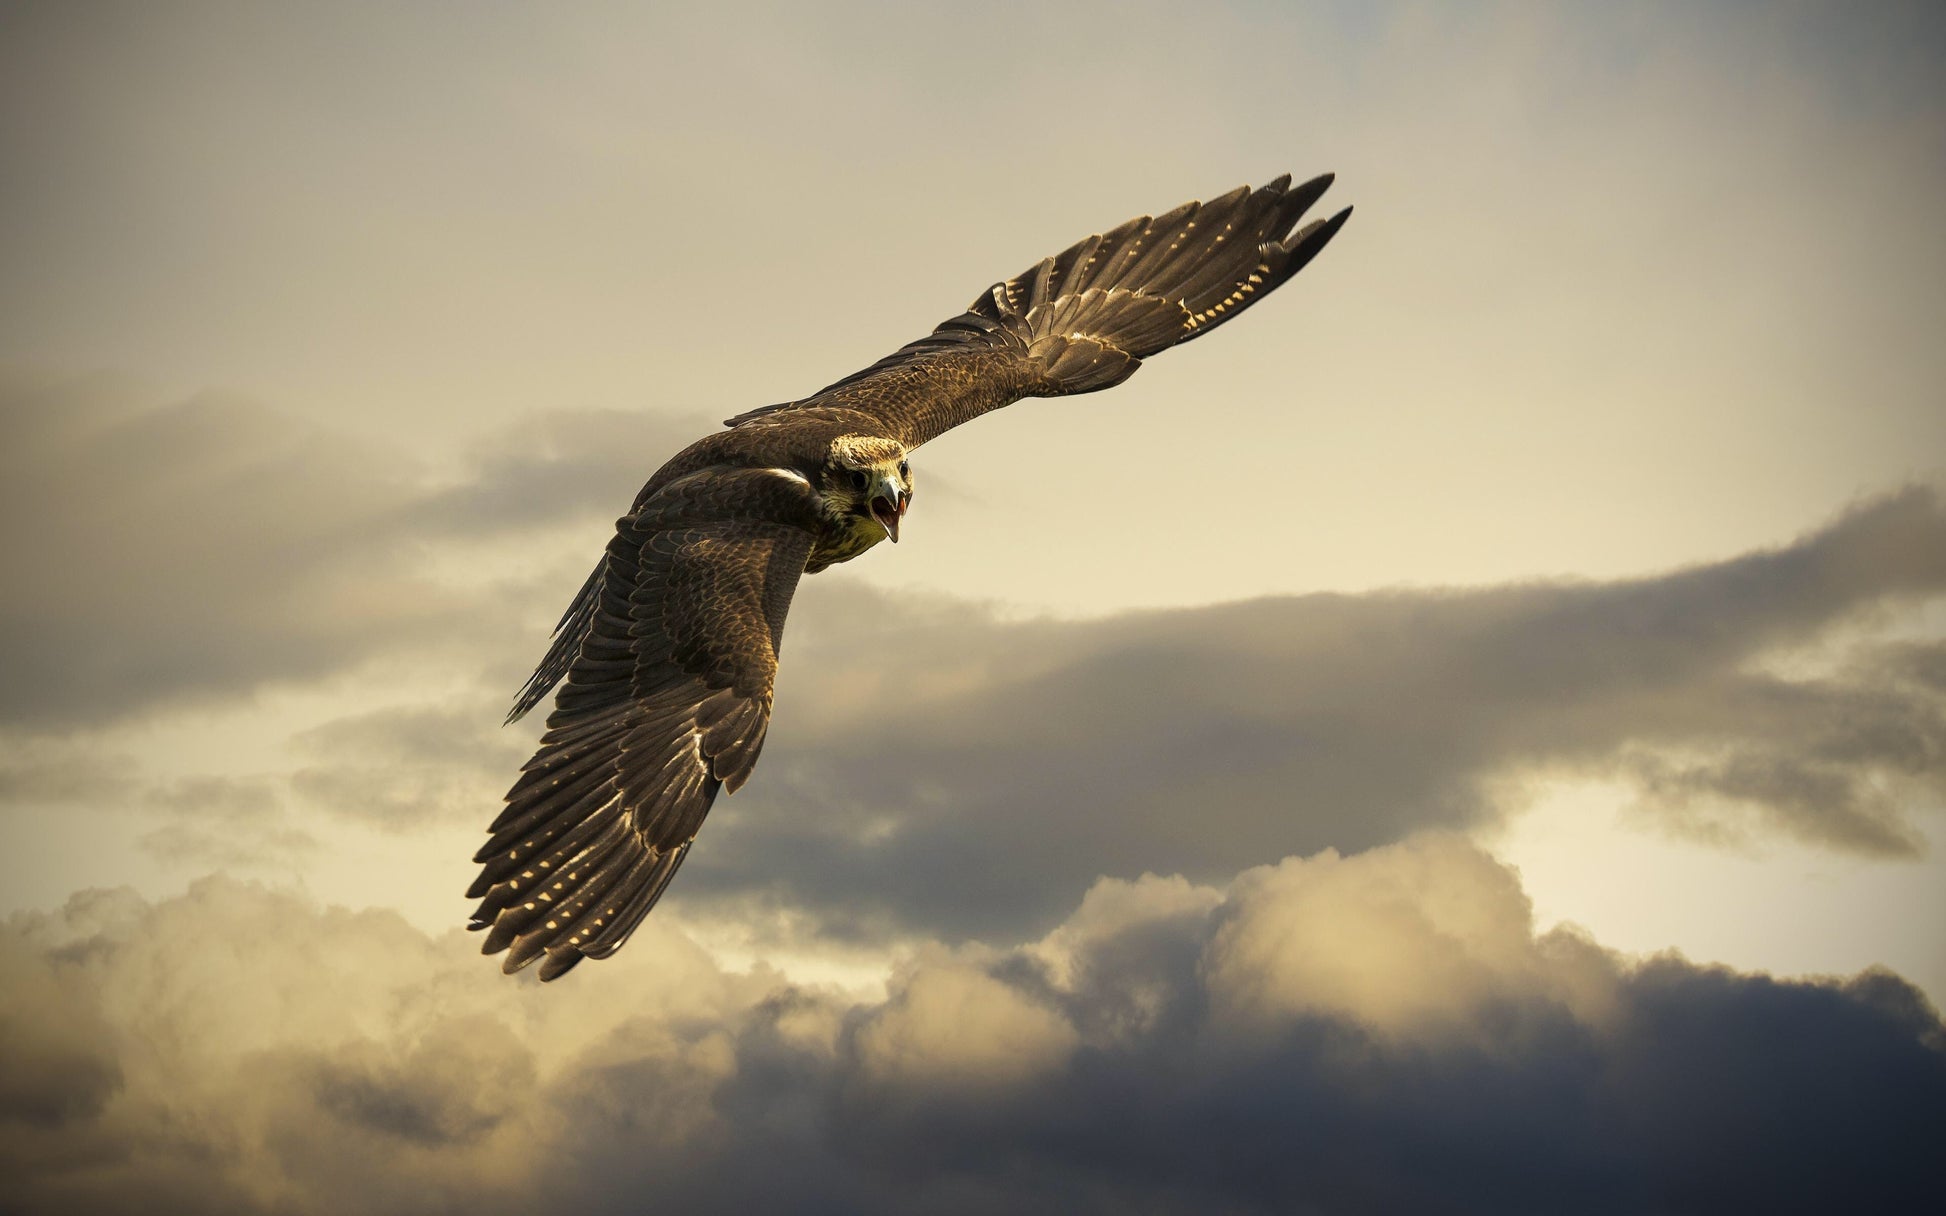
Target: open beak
(888, 507)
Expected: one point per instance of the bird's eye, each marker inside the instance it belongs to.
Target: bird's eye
(905, 470)
(858, 479)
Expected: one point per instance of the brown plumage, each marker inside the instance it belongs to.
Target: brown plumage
(670, 649)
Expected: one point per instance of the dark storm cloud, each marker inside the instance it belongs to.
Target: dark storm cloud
(208, 547)
(1379, 1032)
(936, 768)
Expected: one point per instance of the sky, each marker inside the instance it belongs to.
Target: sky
(1471, 737)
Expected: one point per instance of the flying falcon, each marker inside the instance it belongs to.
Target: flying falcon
(669, 651)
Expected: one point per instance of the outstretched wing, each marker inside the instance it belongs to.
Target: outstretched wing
(1085, 318)
(666, 702)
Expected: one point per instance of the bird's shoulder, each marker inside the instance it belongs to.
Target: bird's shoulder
(799, 441)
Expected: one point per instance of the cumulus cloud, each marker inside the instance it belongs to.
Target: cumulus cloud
(1378, 1031)
(1417, 939)
(955, 1026)
(210, 546)
(938, 767)
(241, 1047)
(60, 1059)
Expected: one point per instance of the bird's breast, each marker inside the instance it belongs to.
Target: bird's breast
(842, 541)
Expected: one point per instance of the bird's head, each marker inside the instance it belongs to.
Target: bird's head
(866, 481)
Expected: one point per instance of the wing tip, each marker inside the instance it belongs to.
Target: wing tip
(1317, 235)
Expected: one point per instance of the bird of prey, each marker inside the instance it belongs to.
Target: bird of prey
(667, 655)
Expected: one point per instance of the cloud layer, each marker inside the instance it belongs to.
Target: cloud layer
(211, 547)
(1381, 1031)
(933, 768)
(962, 774)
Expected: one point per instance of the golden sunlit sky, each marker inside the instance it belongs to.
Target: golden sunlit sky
(1511, 659)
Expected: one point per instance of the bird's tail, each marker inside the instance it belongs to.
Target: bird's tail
(1090, 314)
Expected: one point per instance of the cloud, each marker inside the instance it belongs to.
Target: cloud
(206, 548)
(553, 466)
(409, 766)
(60, 1065)
(223, 822)
(957, 1026)
(241, 1046)
(935, 769)
(934, 766)
(196, 548)
(1412, 941)
(40, 773)
(1370, 1032)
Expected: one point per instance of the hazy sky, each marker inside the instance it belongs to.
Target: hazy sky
(1472, 734)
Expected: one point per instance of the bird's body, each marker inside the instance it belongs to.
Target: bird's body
(669, 652)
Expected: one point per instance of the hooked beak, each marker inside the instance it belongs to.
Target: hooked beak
(888, 504)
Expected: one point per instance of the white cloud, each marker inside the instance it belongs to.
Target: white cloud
(955, 1028)
(1418, 938)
